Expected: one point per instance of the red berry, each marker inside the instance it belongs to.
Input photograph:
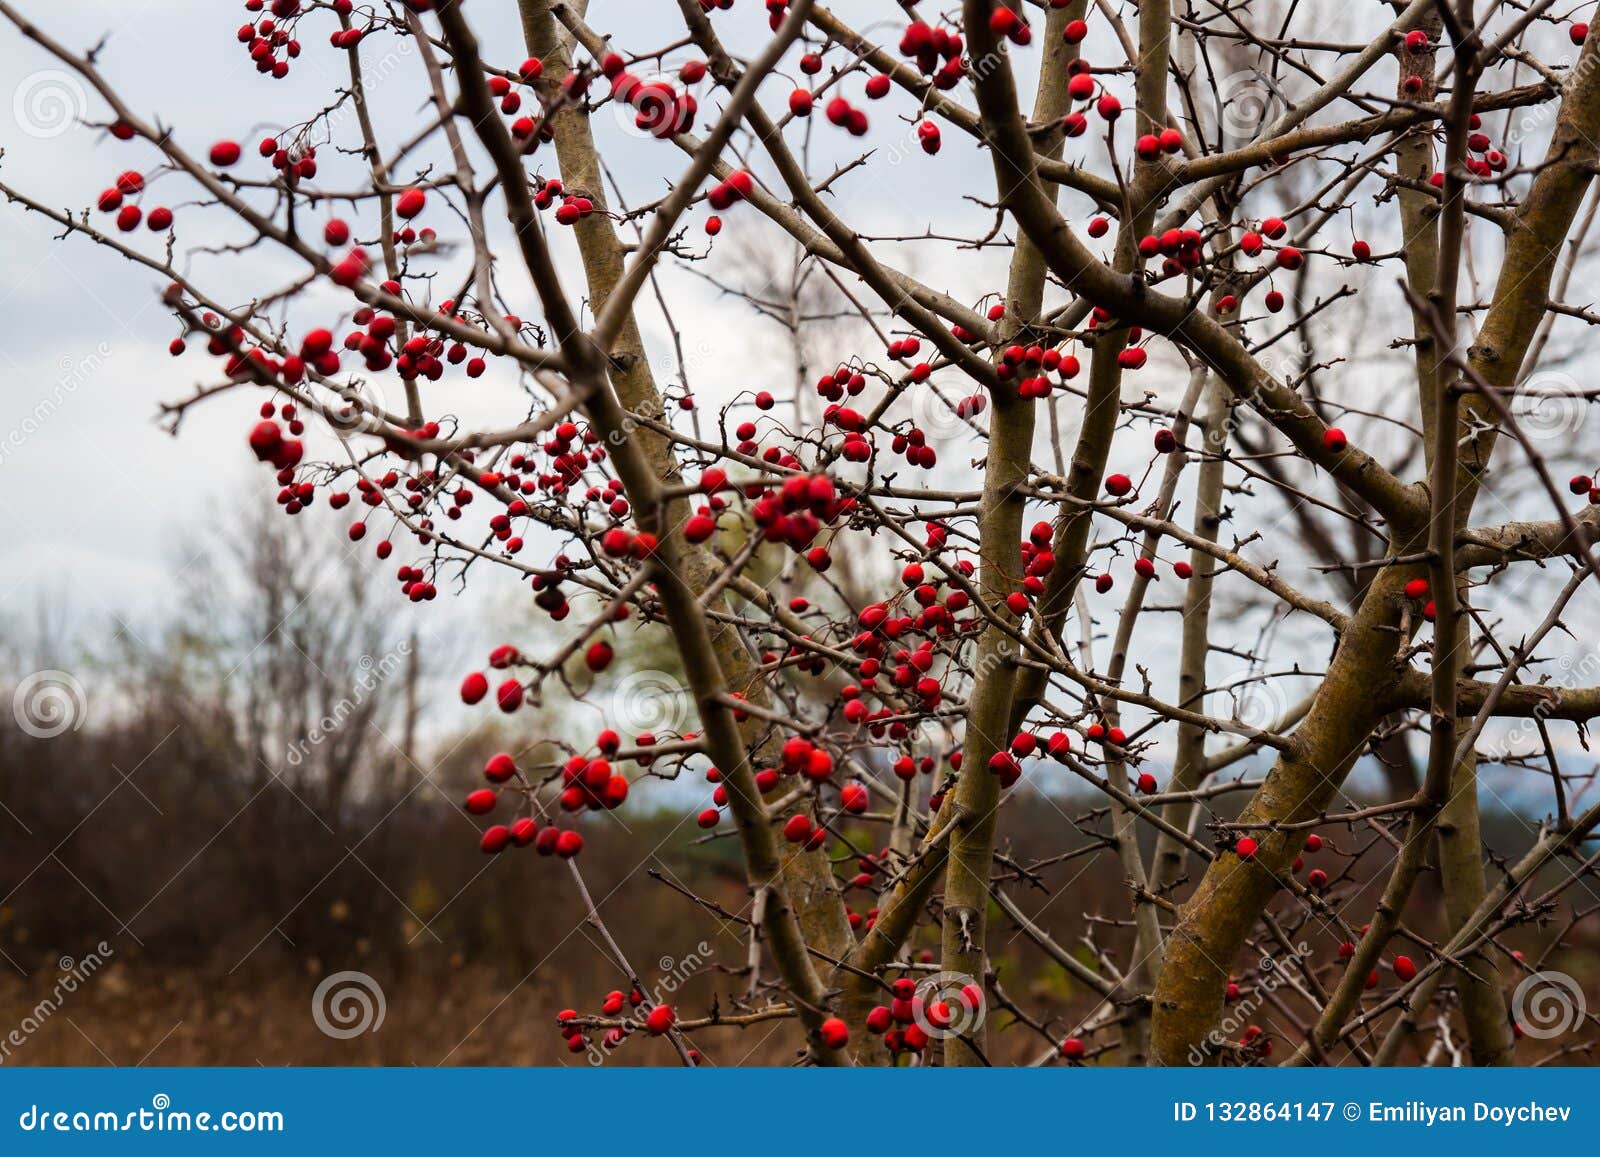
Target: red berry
(474, 687)
(660, 1019)
(410, 203)
(496, 839)
(834, 1033)
(509, 695)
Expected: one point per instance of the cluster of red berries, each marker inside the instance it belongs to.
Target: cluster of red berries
(1011, 24)
(296, 163)
(842, 114)
(528, 132)
(574, 207)
(476, 685)
(1082, 87)
(268, 443)
(914, 447)
(1029, 366)
(571, 450)
(937, 53)
(267, 37)
(797, 510)
(1150, 146)
(1038, 560)
(799, 757)
(1007, 764)
(658, 1021)
(725, 194)
(590, 783)
(661, 108)
(525, 831)
(115, 200)
(900, 1022)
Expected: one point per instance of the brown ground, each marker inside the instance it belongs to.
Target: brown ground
(130, 1016)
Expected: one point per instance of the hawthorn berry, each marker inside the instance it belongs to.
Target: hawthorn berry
(474, 687)
(660, 1019)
